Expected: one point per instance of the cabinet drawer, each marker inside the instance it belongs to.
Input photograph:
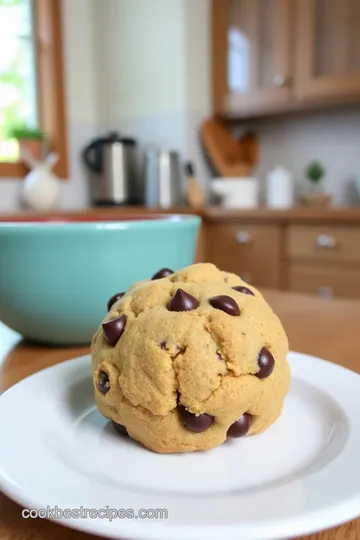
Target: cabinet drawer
(327, 282)
(340, 244)
(251, 251)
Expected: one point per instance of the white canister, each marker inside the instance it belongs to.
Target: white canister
(280, 188)
(239, 193)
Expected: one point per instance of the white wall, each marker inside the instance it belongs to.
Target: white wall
(140, 48)
(81, 91)
(198, 72)
(155, 71)
(80, 72)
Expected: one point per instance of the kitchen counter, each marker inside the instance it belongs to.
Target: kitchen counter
(216, 213)
(296, 214)
(314, 326)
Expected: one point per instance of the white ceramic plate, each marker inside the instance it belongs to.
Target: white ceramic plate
(300, 476)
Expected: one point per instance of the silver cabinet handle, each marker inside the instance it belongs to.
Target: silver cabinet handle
(326, 241)
(325, 292)
(245, 277)
(243, 237)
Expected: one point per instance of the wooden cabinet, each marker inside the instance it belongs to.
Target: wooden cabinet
(251, 251)
(323, 243)
(252, 60)
(283, 55)
(327, 49)
(201, 251)
(326, 282)
(323, 259)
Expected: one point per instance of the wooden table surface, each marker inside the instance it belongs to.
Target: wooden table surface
(325, 328)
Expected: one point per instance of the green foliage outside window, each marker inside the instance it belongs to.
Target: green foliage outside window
(15, 98)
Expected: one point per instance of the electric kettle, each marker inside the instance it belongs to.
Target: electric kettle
(112, 162)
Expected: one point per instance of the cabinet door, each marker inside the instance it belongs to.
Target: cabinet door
(323, 281)
(328, 49)
(251, 251)
(251, 55)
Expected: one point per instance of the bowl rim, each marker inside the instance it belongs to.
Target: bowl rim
(65, 224)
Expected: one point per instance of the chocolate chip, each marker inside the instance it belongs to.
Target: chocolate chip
(220, 356)
(119, 428)
(193, 422)
(240, 427)
(244, 290)
(164, 272)
(103, 382)
(225, 303)
(114, 329)
(266, 363)
(114, 299)
(182, 301)
(163, 345)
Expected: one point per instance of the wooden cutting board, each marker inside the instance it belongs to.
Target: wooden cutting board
(226, 155)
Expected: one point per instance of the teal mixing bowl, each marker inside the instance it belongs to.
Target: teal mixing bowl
(56, 276)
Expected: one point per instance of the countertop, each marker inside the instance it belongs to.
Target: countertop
(350, 215)
(325, 328)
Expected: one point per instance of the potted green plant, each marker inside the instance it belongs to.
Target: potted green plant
(315, 173)
(30, 139)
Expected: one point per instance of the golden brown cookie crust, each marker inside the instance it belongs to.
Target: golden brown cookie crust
(203, 359)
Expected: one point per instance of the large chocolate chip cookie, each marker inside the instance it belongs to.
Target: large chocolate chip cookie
(186, 360)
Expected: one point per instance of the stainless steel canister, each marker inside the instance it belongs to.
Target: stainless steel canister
(164, 179)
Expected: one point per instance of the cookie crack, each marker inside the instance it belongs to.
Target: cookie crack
(180, 352)
(227, 375)
(135, 312)
(219, 351)
(177, 389)
(141, 407)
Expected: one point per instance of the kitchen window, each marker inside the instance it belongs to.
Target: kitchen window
(31, 80)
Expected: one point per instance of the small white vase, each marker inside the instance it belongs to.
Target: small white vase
(41, 188)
